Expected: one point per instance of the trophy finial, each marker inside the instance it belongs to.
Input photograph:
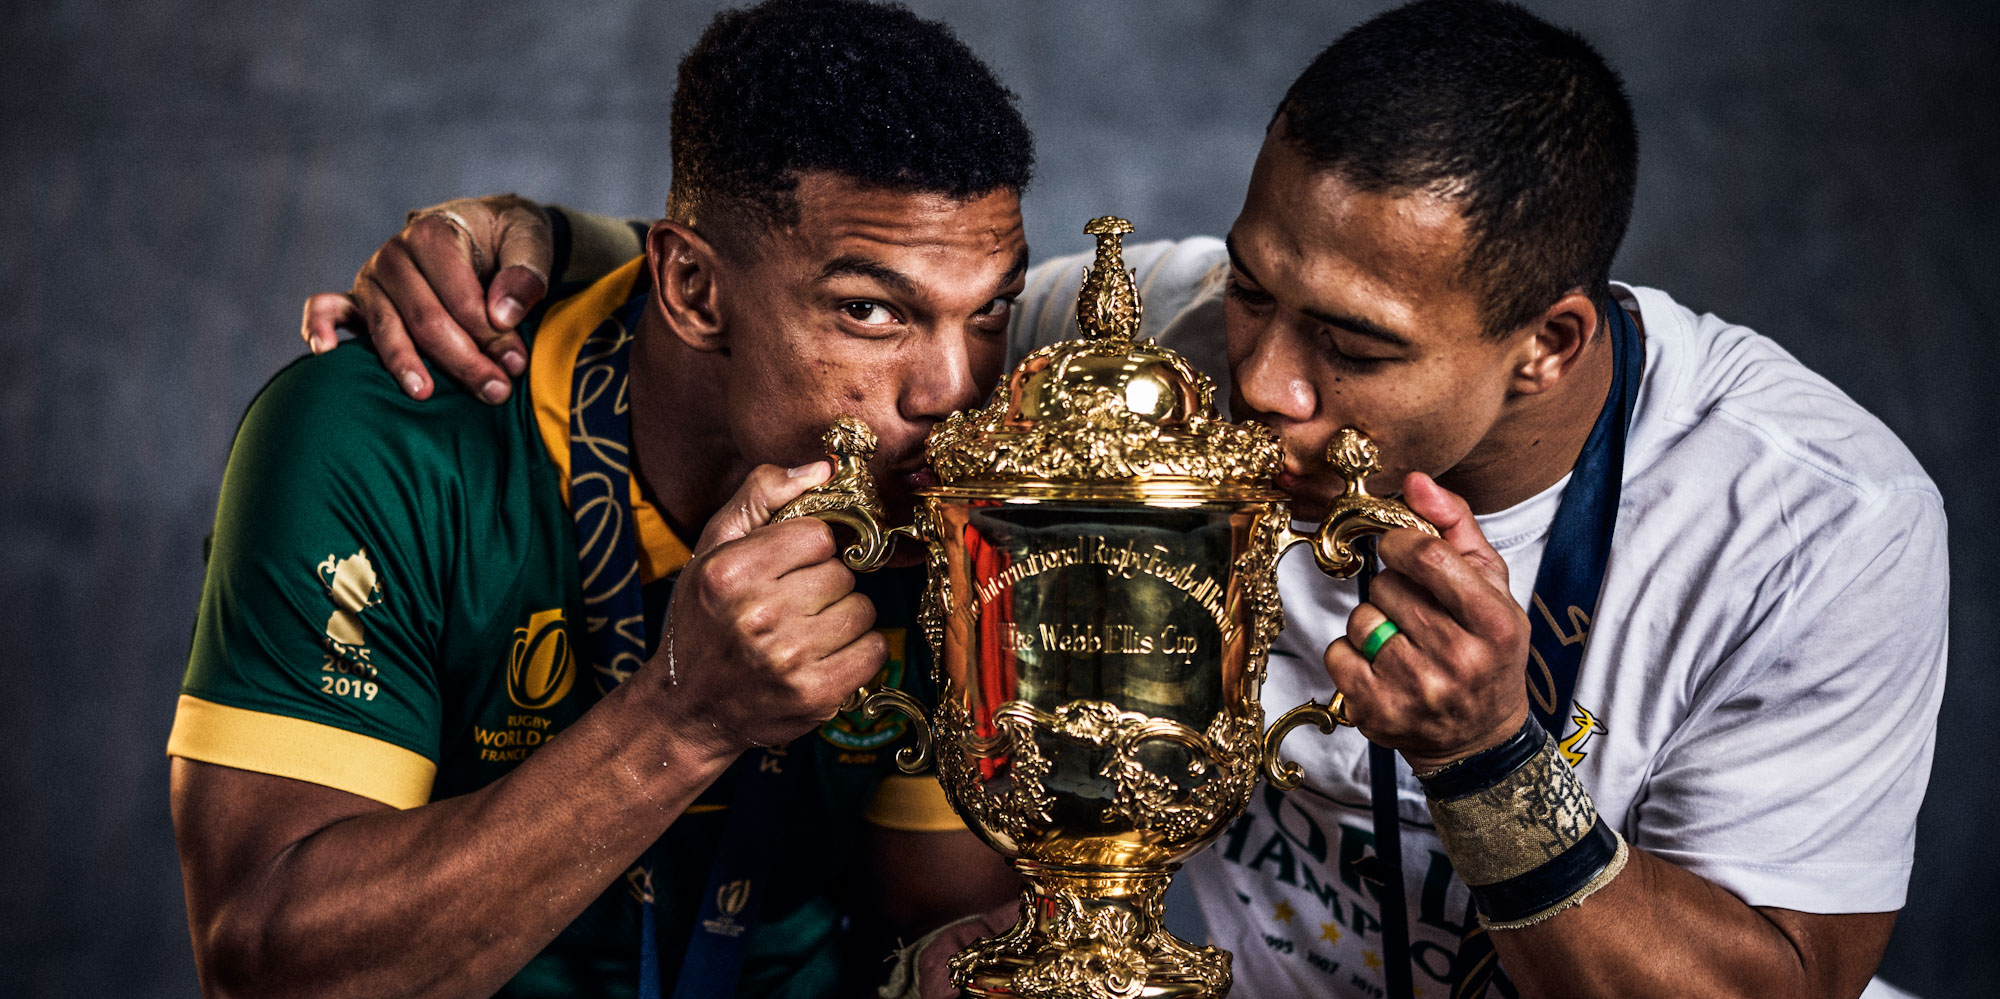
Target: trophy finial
(1354, 515)
(850, 438)
(1355, 457)
(1108, 303)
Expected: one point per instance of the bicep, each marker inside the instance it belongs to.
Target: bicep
(231, 825)
(1839, 951)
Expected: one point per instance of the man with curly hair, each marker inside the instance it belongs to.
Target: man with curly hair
(477, 703)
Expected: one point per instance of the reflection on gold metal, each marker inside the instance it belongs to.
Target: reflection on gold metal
(1102, 594)
(1108, 302)
(914, 757)
(1355, 514)
(1284, 773)
(849, 497)
(1108, 416)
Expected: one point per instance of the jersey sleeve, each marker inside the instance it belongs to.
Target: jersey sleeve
(317, 630)
(1796, 780)
(589, 246)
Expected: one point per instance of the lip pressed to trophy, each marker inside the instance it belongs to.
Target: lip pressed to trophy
(1101, 599)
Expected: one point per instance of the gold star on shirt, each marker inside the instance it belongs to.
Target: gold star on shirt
(1329, 932)
(1371, 959)
(1282, 912)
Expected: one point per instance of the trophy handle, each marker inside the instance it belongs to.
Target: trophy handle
(1284, 774)
(849, 499)
(1355, 514)
(876, 703)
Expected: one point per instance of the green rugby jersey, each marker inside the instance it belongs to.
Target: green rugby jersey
(392, 608)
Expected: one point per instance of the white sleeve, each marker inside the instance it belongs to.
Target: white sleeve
(1180, 291)
(1796, 778)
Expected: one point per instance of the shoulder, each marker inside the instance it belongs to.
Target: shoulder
(1729, 413)
(332, 451)
(1768, 518)
(341, 412)
(331, 395)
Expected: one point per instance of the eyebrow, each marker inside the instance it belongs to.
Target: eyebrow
(1353, 324)
(859, 266)
(854, 265)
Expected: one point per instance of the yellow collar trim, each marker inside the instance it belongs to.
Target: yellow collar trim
(551, 374)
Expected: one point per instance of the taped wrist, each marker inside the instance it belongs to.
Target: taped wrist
(1521, 831)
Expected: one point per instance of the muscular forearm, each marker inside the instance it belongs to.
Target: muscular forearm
(452, 898)
(1660, 930)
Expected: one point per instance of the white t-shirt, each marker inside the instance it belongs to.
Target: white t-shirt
(1759, 693)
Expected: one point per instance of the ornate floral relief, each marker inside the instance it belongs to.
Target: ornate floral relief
(1256, 571)
(1070, 945)
(1141, 797)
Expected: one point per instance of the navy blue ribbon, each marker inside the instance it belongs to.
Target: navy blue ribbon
(1572, 569)
(614, 600)
(1567, 585)
(1390, 888)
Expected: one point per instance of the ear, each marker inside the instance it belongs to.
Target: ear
(1556, 341)
(684, 268)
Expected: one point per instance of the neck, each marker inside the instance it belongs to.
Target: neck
(682, 452)
(1539, 439)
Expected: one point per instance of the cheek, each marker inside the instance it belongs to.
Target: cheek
(1239, 333)
(782, 397)
(1423, 418)
(989, 357)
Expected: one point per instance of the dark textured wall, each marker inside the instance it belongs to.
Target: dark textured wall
(175, 178)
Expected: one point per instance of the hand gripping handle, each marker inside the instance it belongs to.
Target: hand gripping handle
(1353, 516)
(849, 499)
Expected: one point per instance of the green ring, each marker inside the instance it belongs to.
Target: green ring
(1378, 638)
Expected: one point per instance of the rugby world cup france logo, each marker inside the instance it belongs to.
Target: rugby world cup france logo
(541, 669)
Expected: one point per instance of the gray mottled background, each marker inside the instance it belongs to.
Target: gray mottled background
(176, 177)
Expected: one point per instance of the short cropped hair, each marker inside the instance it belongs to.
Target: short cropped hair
(865, 90)
(1519, 122)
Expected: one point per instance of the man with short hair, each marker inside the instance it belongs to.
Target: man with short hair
(1662, 695)
(470, 707)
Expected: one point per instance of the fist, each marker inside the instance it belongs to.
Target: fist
(1451, 681)
(766, 636)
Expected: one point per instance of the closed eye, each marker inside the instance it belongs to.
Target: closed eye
(1248, 296)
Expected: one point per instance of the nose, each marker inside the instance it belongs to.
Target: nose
(952, 375)
(1272, 379)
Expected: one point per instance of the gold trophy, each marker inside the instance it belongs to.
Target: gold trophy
(1101, 598)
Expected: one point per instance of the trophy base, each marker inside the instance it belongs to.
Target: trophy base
(1091, 933)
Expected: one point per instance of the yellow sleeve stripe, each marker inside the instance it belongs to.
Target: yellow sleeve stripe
(912, 804)
(302, 750)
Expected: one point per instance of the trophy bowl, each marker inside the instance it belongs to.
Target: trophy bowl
(1101, 597)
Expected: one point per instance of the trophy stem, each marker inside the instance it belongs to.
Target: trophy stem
(1091, 933)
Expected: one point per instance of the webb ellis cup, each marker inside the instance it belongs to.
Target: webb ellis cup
(1101, 597)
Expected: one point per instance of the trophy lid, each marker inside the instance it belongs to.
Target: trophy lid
(1106, 415)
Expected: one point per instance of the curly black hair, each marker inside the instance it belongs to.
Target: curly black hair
(866, 90)
(1520, 122)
